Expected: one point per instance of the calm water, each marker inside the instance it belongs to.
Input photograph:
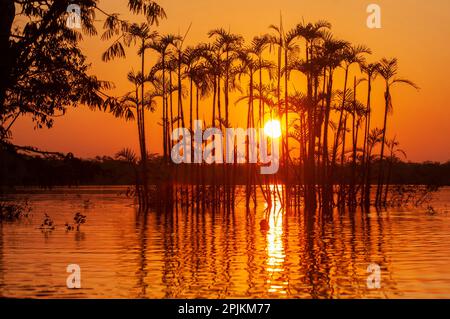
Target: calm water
(206, 255)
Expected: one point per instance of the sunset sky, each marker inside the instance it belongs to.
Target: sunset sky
(416, 32)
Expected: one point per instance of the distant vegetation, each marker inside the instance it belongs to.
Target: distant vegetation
(26, 170)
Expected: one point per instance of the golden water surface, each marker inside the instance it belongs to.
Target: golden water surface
(201, 254)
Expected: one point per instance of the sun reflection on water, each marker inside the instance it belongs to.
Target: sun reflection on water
(275, 247)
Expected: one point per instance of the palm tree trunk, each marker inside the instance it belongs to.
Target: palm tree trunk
(143, 142)
(191, 93)
(368, 178)
(320, 158)
(250, 123)
(355, 128)
(180, 93)
(165, 109)
(218, 100)
(213, 121)
(171, 107)
(260, 93)
(226, 88)
(138, 122)
(279, 89)
(310, 193)
(383, 139)
(343, 169)
(365, 187)
(336, 142)
(286, 114)
(328, 179)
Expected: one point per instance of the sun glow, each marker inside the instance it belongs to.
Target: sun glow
(273, 129)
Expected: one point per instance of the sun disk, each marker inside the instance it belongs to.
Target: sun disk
(273, 129)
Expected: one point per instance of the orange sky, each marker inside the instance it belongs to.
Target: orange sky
(416, 32)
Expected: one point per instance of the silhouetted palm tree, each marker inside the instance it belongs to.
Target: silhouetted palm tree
(388, 71)
(313, 34)
(227, 46)
(141, 35)
(371, 72)
(277, 40)
(332, 54)
(352, 54)
(258, 45)
(162, 45)
(289, 47)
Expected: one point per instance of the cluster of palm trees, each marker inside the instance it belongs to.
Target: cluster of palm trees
(328, 143)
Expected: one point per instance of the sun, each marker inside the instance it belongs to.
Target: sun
(273, 129)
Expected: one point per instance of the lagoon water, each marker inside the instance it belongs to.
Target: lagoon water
(187, 254)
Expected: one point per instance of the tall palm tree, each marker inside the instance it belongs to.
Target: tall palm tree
(285, 41)
(226, 48)
(141, 35)
(259, 44)
(289, 47)
(191, 60)
(171, 68)
(388, 71)
(352, 54)
(312, 33)
(130, 107)
(180, 61)
(227, 45)
(248, 67)
(331, 55)
(162, 46)
(371, 72)
(346, 108)
(211, 71)
(276, 40)
(358, 113)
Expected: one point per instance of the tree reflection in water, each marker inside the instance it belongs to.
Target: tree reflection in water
(200, 253)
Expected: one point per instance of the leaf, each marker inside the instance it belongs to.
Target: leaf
(116, 50)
